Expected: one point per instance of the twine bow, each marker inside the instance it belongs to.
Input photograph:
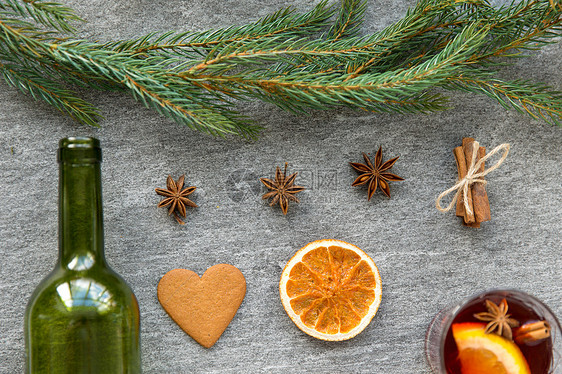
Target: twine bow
(472, 177)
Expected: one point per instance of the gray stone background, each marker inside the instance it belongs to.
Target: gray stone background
(427, 259)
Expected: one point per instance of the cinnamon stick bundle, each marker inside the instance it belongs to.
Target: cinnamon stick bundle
(477, 198)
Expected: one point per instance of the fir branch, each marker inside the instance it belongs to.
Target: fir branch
(47, 13)
(349, 19)
(30, 81)
(21, 68)
(28, 43)
(418, 36)
(216, 120)
(530, 24)
(190, 77)
(141, 77)
(394, 43)
(151, 86)
(285, 23)
(535, 100)
(367, 91)
(292, 52)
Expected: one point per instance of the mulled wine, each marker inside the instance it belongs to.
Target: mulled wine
(499, 331)
(537, 354)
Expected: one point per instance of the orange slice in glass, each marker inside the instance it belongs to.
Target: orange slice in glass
(331, 289)
(481, 353)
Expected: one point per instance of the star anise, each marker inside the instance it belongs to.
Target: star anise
(499, 321)
(376, 175)
(176, 197)
(282, 189)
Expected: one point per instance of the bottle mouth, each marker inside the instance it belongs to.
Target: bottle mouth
(79, 150)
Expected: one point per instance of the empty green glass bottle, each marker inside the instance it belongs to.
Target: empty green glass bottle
(83, 317)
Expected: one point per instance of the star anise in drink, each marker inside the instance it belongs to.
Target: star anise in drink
(376, 175)
(499, 322)
(176, 197)
(282, 189)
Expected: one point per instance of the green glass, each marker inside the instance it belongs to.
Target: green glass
(83, 317)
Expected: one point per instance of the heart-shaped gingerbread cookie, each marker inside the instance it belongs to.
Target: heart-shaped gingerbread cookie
(202, 307)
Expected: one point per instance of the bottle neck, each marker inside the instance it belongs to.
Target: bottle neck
(80, 216)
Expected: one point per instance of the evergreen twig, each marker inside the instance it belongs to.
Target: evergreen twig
(536, 100)
(285, 23)
(47, 13)
(29, 80)
(294, 60)
(349, 19)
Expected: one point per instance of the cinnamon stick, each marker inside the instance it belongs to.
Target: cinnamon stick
(461, 168)
(532, 332)
(467, 149)
(531, 326)
(479, 195)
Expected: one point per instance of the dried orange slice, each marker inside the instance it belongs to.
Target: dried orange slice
(331, 289)
(481, 353)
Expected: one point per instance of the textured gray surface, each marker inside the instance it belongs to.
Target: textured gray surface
(427, 259)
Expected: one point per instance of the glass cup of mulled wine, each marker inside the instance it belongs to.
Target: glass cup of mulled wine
(496, 331)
